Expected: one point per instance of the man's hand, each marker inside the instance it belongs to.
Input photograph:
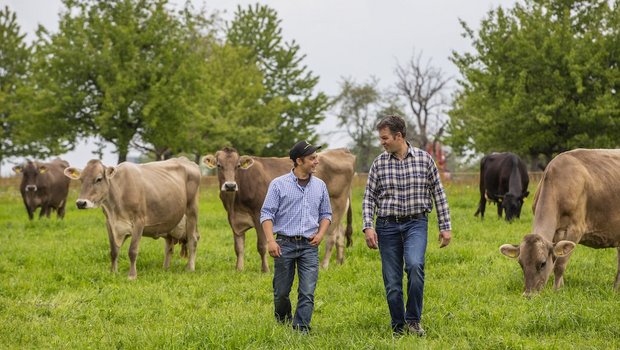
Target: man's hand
(371, 238)
(274, 248)
(316, 239)
(444, 238)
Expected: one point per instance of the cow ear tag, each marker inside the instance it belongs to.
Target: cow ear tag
(110, 172)
(18, 169)
(510, 250)
(42, 169)
(72, 173)
(246, 162)
(209, 161)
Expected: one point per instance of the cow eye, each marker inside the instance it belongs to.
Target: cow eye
(219, 166)
(98, 179)
(542, 265)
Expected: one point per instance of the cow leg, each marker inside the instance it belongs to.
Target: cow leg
(133, 250)
(558, 272)
(114, 248)
(239, 249)
(339, 238)
(61, 211)
(191, 232)
(168, 251)
(499, 209)
(43, 212)
(330, 240)
(617, 282)
(261, 246)
(481, 206)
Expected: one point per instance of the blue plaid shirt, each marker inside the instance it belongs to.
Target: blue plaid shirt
(296, 210)
(404, 187)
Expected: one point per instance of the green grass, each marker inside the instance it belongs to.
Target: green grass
(56, 290)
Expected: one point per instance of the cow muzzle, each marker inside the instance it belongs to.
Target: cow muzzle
(30, 188)
(84, 204)
(230, 186)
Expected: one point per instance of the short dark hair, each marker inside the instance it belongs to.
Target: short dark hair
(395, 123)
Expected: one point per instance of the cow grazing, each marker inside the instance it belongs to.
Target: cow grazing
(503, 180)
(158, 199)
(44, 185)
(577, 201)
(244, 181)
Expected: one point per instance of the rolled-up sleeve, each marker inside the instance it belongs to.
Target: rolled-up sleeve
(439, 196)
(369, 202)
(270, 205)
(325, 208)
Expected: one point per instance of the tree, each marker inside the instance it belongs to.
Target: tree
(289, 84)
(14, 61)
(233, 112)
(121, 70)
(543, 79)
(423, 89)
(359, 106)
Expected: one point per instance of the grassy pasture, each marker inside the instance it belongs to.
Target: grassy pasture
(56, 290)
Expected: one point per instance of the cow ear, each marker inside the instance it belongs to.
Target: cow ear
(72, 173)
(18, 169)
(510, 250)
(563, 248)
(245, 162)
(110, 172)
(42, 169)
(210, 161)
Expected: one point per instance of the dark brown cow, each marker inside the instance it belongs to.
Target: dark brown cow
(244, 181)
(44, 185)
(503, 180)
(577, 202)
(158, 199)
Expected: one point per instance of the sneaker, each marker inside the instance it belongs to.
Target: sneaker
(302, 329)
(398, 330)
(415, 328)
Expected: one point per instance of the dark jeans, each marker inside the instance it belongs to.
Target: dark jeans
(306, 257)
(397, 242)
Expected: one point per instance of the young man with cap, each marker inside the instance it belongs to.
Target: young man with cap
(401, 182)
(298, 212)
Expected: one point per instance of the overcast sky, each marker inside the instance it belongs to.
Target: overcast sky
(340, 38)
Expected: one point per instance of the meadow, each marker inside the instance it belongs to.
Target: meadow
(56, 291)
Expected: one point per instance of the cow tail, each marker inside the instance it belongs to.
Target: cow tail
(348, 233)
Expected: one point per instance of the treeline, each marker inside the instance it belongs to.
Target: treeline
(542, 77)
(138, 73)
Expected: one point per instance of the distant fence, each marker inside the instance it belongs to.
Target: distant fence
(358, 180)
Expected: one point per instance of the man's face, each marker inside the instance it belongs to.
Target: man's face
(389, 142)
(308, 163)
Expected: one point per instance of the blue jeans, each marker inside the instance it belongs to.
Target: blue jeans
(397, 242)
(306, 257)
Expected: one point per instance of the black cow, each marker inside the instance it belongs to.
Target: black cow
(44, 185)
(503, 180)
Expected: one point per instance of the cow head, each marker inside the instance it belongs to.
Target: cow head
(30, 173)
(512, 206)
(95, 180)
(227, 161)
(537, 257)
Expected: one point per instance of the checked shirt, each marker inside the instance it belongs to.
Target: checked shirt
(404, 187)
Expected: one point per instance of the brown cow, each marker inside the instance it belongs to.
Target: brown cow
(158, 199)
(577, 201)
(44, 185)
(243, 186)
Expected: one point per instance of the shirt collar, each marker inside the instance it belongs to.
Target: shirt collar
(293, 178)
(409, 151)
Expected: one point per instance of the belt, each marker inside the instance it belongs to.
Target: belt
(291, 238)
(406, 218)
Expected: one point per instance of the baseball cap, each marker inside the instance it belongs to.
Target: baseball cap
(302, 149)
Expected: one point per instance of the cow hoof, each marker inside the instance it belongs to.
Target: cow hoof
(132, 278)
